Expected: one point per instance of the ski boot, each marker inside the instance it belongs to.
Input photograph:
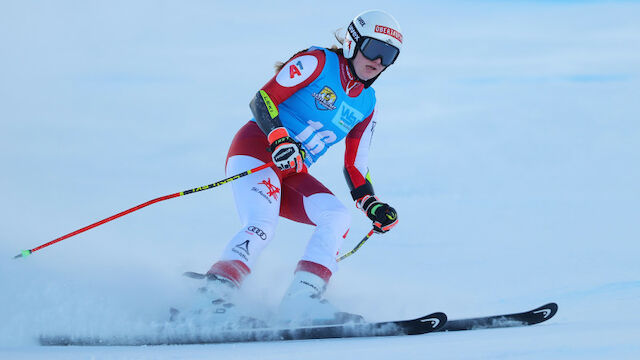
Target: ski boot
(303, 304)
(214, 305)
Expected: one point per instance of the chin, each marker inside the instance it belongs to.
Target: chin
(372, 76)
(366, 78)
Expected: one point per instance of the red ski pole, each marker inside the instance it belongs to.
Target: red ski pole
(26, 253)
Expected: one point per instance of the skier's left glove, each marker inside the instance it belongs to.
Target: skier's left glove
(285, 152)
(384, 217)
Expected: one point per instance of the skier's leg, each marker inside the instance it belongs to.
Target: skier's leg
(257, 197)
(332, 221)
(306, 200)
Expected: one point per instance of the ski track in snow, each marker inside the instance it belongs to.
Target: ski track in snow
(508, 141)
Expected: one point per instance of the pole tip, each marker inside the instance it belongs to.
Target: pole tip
(24, 253)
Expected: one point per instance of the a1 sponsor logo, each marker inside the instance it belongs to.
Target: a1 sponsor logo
(294, 70)
(297, 70)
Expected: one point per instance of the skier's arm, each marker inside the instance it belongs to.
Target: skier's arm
(383, 216)
(300, 71)
(265, 112)
(285, 151)
(356, 157)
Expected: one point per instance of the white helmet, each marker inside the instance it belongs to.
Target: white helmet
(383, 32)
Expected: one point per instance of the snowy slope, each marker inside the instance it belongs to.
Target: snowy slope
(508, 142)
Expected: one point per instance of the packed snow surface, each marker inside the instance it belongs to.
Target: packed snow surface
(508, 141)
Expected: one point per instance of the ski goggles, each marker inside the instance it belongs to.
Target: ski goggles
(373, 48)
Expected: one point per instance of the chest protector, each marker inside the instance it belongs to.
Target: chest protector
(321, 114)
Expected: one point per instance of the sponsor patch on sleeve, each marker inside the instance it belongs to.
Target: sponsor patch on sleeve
(297, 70)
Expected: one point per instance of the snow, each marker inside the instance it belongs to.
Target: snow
(508, 141)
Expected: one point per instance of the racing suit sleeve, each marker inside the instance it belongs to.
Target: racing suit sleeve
(356, 157)
(300, 71)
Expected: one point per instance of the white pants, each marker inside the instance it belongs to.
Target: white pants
(261, 199)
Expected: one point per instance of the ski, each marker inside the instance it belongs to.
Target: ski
(422, 325)
(532, 317)
(436, 322)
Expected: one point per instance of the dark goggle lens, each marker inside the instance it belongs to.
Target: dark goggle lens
(373, 49)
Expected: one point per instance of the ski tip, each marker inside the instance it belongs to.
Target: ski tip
(434, 321)
(23, 254)
(546, 311)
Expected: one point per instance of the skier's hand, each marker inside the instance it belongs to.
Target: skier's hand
(384, 217)
(285, 151)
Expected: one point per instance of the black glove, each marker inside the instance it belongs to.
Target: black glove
(384, 217)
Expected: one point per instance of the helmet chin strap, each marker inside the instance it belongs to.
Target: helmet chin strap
(366, 83)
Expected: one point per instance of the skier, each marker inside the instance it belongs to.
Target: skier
(316, 99)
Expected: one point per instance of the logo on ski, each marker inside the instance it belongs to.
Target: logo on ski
(434, 322)
(545, 312)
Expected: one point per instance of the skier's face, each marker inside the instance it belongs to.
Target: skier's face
(367, 69)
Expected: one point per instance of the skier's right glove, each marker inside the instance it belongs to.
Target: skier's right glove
(285, 151)
(384, 217)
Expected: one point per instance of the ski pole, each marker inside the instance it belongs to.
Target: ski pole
(364, 240)
(26, 253)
